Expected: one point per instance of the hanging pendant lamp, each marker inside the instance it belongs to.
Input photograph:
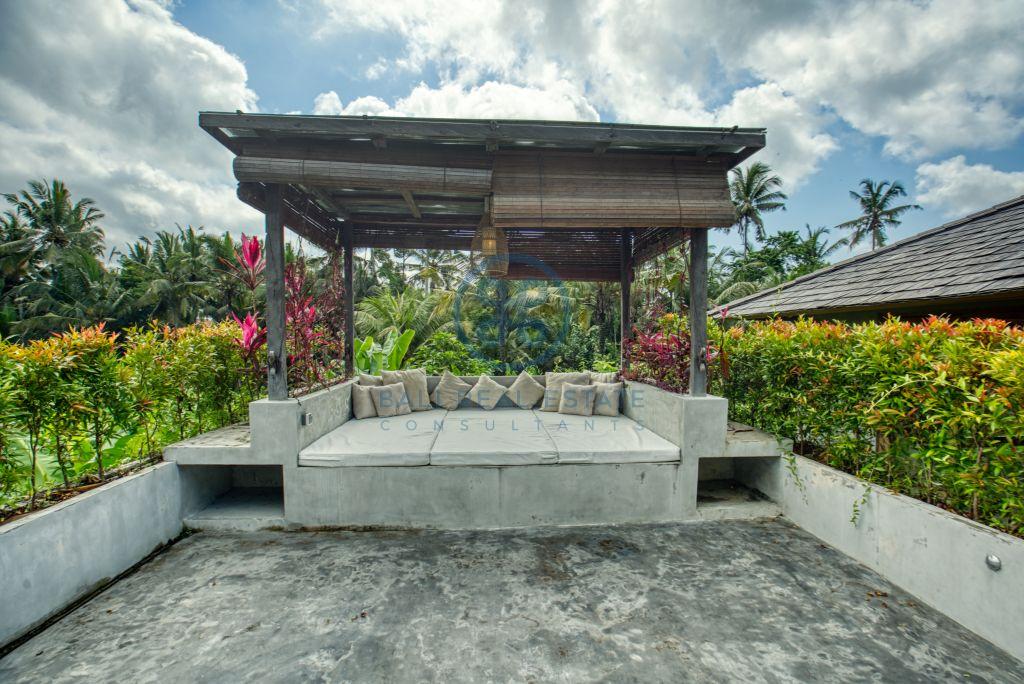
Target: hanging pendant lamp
(489, 248)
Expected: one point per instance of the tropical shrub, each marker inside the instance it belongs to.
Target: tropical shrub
(75, 405)
(931, 409)
(579, 350)
(371, 358)
(443, 351)
(660, 354)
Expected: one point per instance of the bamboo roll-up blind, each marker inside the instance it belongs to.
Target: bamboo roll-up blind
(559, 190)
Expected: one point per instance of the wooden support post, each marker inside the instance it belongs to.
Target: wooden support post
(277, 361)
(625, 281)
(350, 323)
(698, 312)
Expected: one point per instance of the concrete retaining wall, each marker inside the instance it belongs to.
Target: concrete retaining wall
(935, 555)
(52, 557)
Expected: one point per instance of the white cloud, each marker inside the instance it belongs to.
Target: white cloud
(111, 109)
(797, 143)
(927, 77)
(959, 188)
(560, 100)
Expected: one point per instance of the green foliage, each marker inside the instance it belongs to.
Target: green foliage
(579, 350)
(77, 404)
(931, 410)
(372, 358)
(443, 351)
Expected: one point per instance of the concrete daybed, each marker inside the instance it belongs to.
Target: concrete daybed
(471, 436)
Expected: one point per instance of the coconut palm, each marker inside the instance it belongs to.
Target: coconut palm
(438, 267)
(755, 191)
(877, 211)
(55, 224)
(176, 283)
(814, 250)
(387, 312)
(80, 291)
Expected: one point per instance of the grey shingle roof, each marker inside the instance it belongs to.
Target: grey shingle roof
(981, 254)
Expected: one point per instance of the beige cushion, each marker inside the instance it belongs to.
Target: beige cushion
(362, 402)
(603, 377)
(577, 400)
(450, 391)
(415, 381)
(486, 393)
(390, 400)
(525, 392)
(369, 380)
(606, 399)
(553, 387)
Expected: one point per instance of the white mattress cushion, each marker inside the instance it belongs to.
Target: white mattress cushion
(605, 439)
(398, 441)
(498, 437)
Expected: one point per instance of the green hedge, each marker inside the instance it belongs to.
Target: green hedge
(932, 410)
(77, 404)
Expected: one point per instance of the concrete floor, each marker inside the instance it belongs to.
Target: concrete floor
(712, 601)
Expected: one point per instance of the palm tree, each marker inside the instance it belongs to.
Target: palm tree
(175, 285)
(80, 291)
(814, 249)
(438, 267)
(877, 212)
(388, 312)
(55, 224)
(755, 192)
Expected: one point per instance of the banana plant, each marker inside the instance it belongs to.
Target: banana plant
(372, 358)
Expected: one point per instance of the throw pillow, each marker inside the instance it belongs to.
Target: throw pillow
(415, 381)
(553, 387)
(603, 377)
(486, 393)
(362, 402)
(525, 392)
(369, 380)
(577, 400)
(606, 400)
(390, 400)
(450, 391)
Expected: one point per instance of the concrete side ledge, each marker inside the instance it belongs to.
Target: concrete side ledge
(229, 445)
(743, 441)
(934, 554)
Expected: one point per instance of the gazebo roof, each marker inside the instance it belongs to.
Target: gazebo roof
(562, 191)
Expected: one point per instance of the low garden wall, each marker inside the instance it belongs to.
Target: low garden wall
(51, 558)
(938, 556)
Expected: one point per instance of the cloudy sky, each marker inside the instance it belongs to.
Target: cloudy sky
(104, 94)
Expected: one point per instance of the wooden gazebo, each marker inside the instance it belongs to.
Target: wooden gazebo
(589, 201)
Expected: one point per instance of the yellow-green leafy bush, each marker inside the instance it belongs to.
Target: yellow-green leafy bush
(79, 403)
(930, 409)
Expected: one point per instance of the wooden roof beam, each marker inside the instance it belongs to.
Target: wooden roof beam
(410, 201)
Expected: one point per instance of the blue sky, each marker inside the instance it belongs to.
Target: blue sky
(927, 93)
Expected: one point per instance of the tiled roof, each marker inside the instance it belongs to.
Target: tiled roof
(979, 255)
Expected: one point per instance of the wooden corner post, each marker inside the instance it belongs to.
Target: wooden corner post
(277, 361)
(625, 281)
(350, 295)
(698, 312)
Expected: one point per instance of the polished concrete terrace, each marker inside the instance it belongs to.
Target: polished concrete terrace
(711, 601)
